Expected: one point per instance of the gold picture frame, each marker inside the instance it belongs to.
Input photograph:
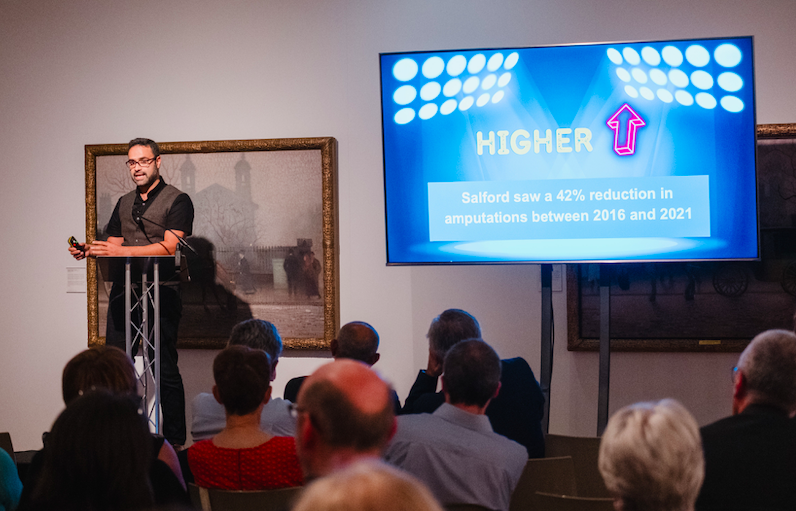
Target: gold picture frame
(280, 186)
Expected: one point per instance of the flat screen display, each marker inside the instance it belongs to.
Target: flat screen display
(640, 151)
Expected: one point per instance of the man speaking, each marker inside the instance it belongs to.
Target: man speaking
(146, 222)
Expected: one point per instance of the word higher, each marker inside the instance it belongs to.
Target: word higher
(520, 142)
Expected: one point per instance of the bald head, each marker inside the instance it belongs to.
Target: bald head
(346, 411)
(358, 341)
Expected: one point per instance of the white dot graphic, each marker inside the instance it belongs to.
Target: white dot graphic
(684, 98)
(646, 93)
(404, 115)
(639, 75)
(448, 107)
(430, 91)
(730, 82)
(511, 61)
(489, 82)
(697, 55)
(453, 87)
(466, 103)
(614, 56)
(658, 77)
(623, 74)
(494, 63)
(404, 95)
(672, 56)
(665, 96)
(731, 104)
(631, 56)
(651, 56)
(428, 111)
(404, 70)
(470, 84)
(433, 67)
(497, 97)
(483, 99)
(456, 65)
(476, 64)
(706, 100)
(631, 91)
(504, 79)
(727, 55)
(678, 78)
(701, 80)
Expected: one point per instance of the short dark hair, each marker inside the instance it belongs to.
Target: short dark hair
(358, 341)
(99, 367)
(257, 334)
(340, 424)
(242, 377)
(451, 327)
(471, 373)
(769, 366)
(145, 142)
(97, 456)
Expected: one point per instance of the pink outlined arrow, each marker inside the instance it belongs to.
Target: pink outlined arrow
(633, 123)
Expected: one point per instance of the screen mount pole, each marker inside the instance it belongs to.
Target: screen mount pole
(546, 370)
(605, 348)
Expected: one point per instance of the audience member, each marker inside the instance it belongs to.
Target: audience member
(356, 340)
(10, 485)
(454, 450)
(242, 456)
(208, 415)
(98, 457)
(750, 457)
(515, 413)
(344, 414)
(110, 369)
(651, 457)
(367, 486)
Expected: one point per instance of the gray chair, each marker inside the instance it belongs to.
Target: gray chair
(549, 475)
(584, 452)
(7, 446)
(209, 499)
(551, 502)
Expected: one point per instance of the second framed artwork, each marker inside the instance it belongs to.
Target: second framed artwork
(264, 235)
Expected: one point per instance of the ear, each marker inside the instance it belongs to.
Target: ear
(375, 358)
(333, 347)
(739, 386)
(157, 162)
(497, 390)
(273, 370)
(216, 394)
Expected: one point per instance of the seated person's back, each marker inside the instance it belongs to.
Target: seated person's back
(242, 456)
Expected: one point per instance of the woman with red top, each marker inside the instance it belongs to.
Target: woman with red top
(242, 456)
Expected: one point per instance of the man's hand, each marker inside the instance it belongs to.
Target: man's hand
(78, 253)
(105, 248)
(434, 365)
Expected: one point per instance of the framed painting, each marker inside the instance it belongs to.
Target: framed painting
(264, 240)
(702, 306)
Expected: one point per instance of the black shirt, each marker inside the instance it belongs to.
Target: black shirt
(180, 217)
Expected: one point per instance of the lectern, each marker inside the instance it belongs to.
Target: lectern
(142, 277)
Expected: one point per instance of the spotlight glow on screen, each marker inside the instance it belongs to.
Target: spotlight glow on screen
(641, 151)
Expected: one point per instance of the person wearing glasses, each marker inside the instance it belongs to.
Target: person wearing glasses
(149, 221)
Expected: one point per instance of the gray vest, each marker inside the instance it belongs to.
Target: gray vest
(157, 211)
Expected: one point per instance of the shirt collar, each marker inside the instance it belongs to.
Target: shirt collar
(155, 191)
(450, 413)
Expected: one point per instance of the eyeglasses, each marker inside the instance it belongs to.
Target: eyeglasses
(294, 410)
(143, 162)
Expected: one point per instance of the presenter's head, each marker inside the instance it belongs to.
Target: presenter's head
(143, 160)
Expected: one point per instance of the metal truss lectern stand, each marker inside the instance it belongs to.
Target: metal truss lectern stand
(142, 317)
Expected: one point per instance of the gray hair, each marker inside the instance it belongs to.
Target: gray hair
(651, 457)
(257, 334)
(450, 328)
(769, 366)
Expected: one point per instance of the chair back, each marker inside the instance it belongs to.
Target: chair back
(7, 446)
(549, 475)
(552, 502)
(465, 507)
(210, 499)
(584, 452)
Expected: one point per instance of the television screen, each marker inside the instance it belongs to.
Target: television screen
(641, 151)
